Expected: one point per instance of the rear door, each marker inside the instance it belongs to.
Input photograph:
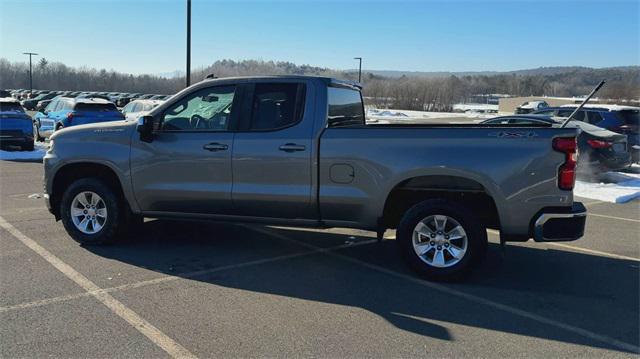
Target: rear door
(272, 165)
(187, 166)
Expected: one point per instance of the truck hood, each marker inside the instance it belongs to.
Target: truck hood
(103, 130)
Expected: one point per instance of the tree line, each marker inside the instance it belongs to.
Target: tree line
(405, 92)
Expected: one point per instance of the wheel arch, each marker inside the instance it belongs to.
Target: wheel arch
(480, 198)
(71, 172)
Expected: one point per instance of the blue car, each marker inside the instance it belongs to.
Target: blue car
(16, 127)
(621, 119)
(66, 112)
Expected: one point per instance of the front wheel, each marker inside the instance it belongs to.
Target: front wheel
(92, 212)
(441, 240)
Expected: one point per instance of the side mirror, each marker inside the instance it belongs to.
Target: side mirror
(145, 128)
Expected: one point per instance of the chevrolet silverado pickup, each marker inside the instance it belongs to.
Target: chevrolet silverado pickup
(297, 151)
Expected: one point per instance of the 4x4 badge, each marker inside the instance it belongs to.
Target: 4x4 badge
(513, 134)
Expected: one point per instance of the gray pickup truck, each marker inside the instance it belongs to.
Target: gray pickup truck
(297, 151)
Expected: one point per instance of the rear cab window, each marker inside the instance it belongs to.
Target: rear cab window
(276, 105)
(10, 107)
(345, 107)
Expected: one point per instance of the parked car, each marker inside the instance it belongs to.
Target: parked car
(30, 104)
(600, 150)
(531, 106)
(122, 101)
(621, 119)
(16, 128)
(146, 97)
(138, 108)
(296, 150)
(41, 105)
(67, 112)
(159, 97)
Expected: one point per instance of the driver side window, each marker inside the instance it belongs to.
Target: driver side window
(208, 109)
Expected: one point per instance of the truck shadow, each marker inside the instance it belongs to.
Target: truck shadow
(597, 294)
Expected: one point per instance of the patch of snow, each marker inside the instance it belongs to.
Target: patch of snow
(36, 155)
(614, 187)
(477, 107)
(407, 116)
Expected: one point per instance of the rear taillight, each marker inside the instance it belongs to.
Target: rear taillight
(599, 144)
(70, 117)
(567, 171)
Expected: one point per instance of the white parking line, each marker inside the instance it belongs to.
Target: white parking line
(471, 297)
(613, 217)
(64, 298)
(580, 249)
(147, 329)
(592, 251)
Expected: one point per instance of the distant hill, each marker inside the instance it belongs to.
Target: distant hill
(543, 71)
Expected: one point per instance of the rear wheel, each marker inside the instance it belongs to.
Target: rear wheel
(92, 213)
(441, 240)
(36, 133)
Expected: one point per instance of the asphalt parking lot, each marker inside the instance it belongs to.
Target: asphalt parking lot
(229, 290)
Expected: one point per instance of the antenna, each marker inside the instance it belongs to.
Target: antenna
(583, 103)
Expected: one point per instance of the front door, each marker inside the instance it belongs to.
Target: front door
(272, 153)
(187, 166)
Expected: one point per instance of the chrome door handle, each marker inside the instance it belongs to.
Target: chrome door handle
(291, 147)
(213, 147)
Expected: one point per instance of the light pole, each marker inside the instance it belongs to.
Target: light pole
(359, 68)
(30, 72)
(188, 74)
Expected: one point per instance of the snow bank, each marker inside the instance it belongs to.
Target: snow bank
(407, 116)
(35, 155)
(615, 187)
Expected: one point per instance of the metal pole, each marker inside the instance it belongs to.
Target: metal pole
(359, 68)
(188, 74)
(30, 70)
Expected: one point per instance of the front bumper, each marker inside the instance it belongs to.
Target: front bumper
(558, 225)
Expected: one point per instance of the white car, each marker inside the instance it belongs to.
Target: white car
(137, 108)
(531, 106)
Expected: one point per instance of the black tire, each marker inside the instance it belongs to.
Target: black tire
(117, 215)
(29, 146)
(476, 235)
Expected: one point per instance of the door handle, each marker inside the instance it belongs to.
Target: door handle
(213, 147)
(292, 147)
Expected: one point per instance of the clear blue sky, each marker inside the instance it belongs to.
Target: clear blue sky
(148, 36)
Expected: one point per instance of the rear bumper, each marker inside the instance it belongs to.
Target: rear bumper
(558, 225)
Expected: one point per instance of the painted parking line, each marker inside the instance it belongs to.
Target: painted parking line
(470, 297)
(613, 217)
(580, 249)
(163, 341)
(185, 275)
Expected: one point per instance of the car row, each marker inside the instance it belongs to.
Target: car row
(599, 149)
(17, 128)
(624, 120)
(64, 112)
(37, 100)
